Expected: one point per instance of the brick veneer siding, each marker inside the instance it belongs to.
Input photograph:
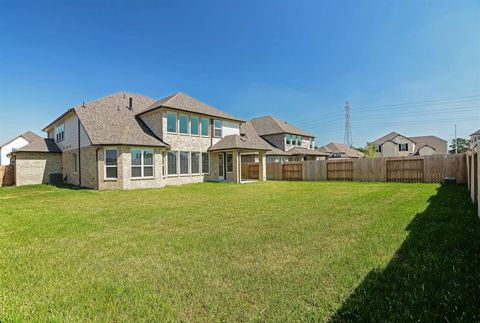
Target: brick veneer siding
(35, 168)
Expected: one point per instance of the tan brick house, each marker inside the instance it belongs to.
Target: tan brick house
(395, 144)
(127, 141)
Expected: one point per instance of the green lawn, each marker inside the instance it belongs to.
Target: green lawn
(273, 251)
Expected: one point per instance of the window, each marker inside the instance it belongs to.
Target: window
(163, 163)
(172, 162)
(220, 165)
(142, 163)
(205, 163)
(60, 132)
(195, 159)
(403, 147)
(111, 155)
(184, 162)
(229, 163)
(171, 122)
(194, 126)
(288, 138)
(378, 148)
(183, 120)
(312, 144)
(299, 140)
(75, 165)
(217, 127)
(294, 139)
(204, 122)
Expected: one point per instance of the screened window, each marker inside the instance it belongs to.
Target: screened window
(171, 122)
(217, 125)
(204, 122)
(229, 163)
(194, 123)
(172, 163)
(184, 162)
(205, 163)
(60, 132)
(142, 163)
(183, 120)
(195, 163)
(111, 167)
(403, 147)
(288, 138)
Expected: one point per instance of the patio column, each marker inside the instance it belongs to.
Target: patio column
(262, 166)
(237, 166)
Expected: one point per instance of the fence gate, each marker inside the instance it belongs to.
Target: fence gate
(249, 170)
(340, 171)
(405, 170)
(7, 175)
(292, 171)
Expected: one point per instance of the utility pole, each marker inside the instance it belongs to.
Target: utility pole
(456, 141)
(348, 127)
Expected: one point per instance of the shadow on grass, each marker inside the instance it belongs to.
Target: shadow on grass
(434, 275)
(70, 187)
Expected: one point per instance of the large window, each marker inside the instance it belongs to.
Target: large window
(60, 132)
(217, 125)
(229, 163)
(111, 167)
(204, 122)
(183, 124)
(172, 163)
(195, 167)
(403, 147)
(205, 163)
(142, 163)
(184, 162)
(194, 123)
(172, 122)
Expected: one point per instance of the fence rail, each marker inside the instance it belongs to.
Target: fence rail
(7, 175)
(428, 169)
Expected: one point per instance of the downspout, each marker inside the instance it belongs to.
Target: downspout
(96, 166)
(79, 158)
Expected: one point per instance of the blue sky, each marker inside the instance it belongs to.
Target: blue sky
(298, 60)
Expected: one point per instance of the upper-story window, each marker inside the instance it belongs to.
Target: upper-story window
(183, 124)
(194, 123)
(60, 132)
(217, 125)
(378, 148)
(294, 139)
(171, 122)
(288, 138)
(403, 147)
(299, 140)
(204, 122)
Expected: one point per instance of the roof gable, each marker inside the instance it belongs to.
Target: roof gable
(270, 125)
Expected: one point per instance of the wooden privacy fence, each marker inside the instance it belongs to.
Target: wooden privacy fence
(7, 175)
(428, 169)
(250, 170)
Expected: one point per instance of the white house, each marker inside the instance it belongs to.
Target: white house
(14, 144)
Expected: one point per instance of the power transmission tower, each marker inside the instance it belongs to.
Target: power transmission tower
(348, 127)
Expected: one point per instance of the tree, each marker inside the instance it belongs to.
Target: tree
(368, 150)
(461, 143)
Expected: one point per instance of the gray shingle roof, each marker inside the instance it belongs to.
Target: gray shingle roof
(109, 121)
(440, 145)
(385, 138)
(269, 125)
(248, 129)
(306, 151)
(343, 149)
(183, 102)
(30, 136)
(248, 139)
(43, 145)
(475, 133)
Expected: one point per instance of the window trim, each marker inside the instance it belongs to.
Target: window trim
(58, 133)
(378, 148)
(176, 122)
(288, 139)
(164, 164)
(400, 147)
(105, 166)
(180, 163)
(208, 127)
(188, 124)
(226, 163)
(215, 128)
(142, 164)
(176, 163)
(198, 126)
(199, 162)
(208, 154)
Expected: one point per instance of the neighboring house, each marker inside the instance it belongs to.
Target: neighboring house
(475, 137)
(395, 144)
(14, 144)
(337, 150)
(286, 141)
(126, 140)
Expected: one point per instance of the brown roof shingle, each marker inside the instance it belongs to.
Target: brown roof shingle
(343, 149)
(440, 145)
(270, 125)
(43, 145)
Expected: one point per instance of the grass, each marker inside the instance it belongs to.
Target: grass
(273, 251)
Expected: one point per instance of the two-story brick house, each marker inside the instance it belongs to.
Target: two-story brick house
(126, 140)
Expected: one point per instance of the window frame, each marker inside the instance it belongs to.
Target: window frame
(176, 163)
(400, 147)
(288, 139)
(227, 164)
(105, 166)
(199, 162)
(176, 121)
(142, 165)
(192, 117)
(208, 127)
(185, 153)
(208, 168)
(378, 148)
(219, 129)
(180, 115)
(299, 140)
(164, 164)
(59, 134)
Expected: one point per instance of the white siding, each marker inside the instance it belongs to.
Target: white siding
(230, 128)
(71, 134)
(5, 150)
